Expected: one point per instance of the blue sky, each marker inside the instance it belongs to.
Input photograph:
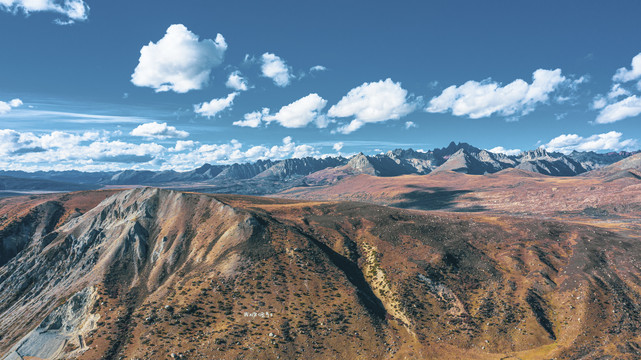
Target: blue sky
(98, 85)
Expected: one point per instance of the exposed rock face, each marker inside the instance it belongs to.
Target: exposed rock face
(629, 167)
(151, 272)
(36, 226)
(244, 171)
(630, 163)
(205, 172)
(64, 328)
(554, 164)
(361, 164)
(129, 242)
(591, 160)
(422, 162)
(287, 169)
(478, 164)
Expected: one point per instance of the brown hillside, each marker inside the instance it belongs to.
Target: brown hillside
(149, 273)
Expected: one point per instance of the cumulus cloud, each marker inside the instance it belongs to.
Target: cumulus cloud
(215, 106)
(253, 119)
(634, 73)
(371, 103)
(74, 10)
(154, 130)
(179, 61)
(182, 145)
(276, 69)
(338, 146)
(236, 81)
(610, 141)
(628, 107)
(5, 107)
(612, 107)
(298, 114)
(301, 112)
(482, 99)
(502, 150)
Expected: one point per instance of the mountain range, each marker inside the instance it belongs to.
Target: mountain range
(267, 176)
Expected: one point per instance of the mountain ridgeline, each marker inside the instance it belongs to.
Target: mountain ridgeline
(267, 176)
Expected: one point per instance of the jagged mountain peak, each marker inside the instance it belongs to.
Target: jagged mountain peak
(361, 163)
(539, 153)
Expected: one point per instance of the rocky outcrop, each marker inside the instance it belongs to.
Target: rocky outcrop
(34, 228)
(64, 328)
(244, 171)
(130, 241)
(290, 168)
(554, 164)
(591, 160)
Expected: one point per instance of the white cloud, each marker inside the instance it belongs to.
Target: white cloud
(276, 69)
(634, 73)
(182, 145)
(410, 124)
(338, 146)
(154, 130)
(502, 150)
(179, 61)
(628, 107)
(12, 141)
(302, 151)
(482, 99)
(611, 108)
(298, 114)
(253, 119)
(610, 141)
(371, 103)
(617, 91)
(5, 107)
(301, 112)
(215, 106)
(599, 102)
(75, 10)
(15, 103)
(59, 150)
(236, 81)
(317, 68)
